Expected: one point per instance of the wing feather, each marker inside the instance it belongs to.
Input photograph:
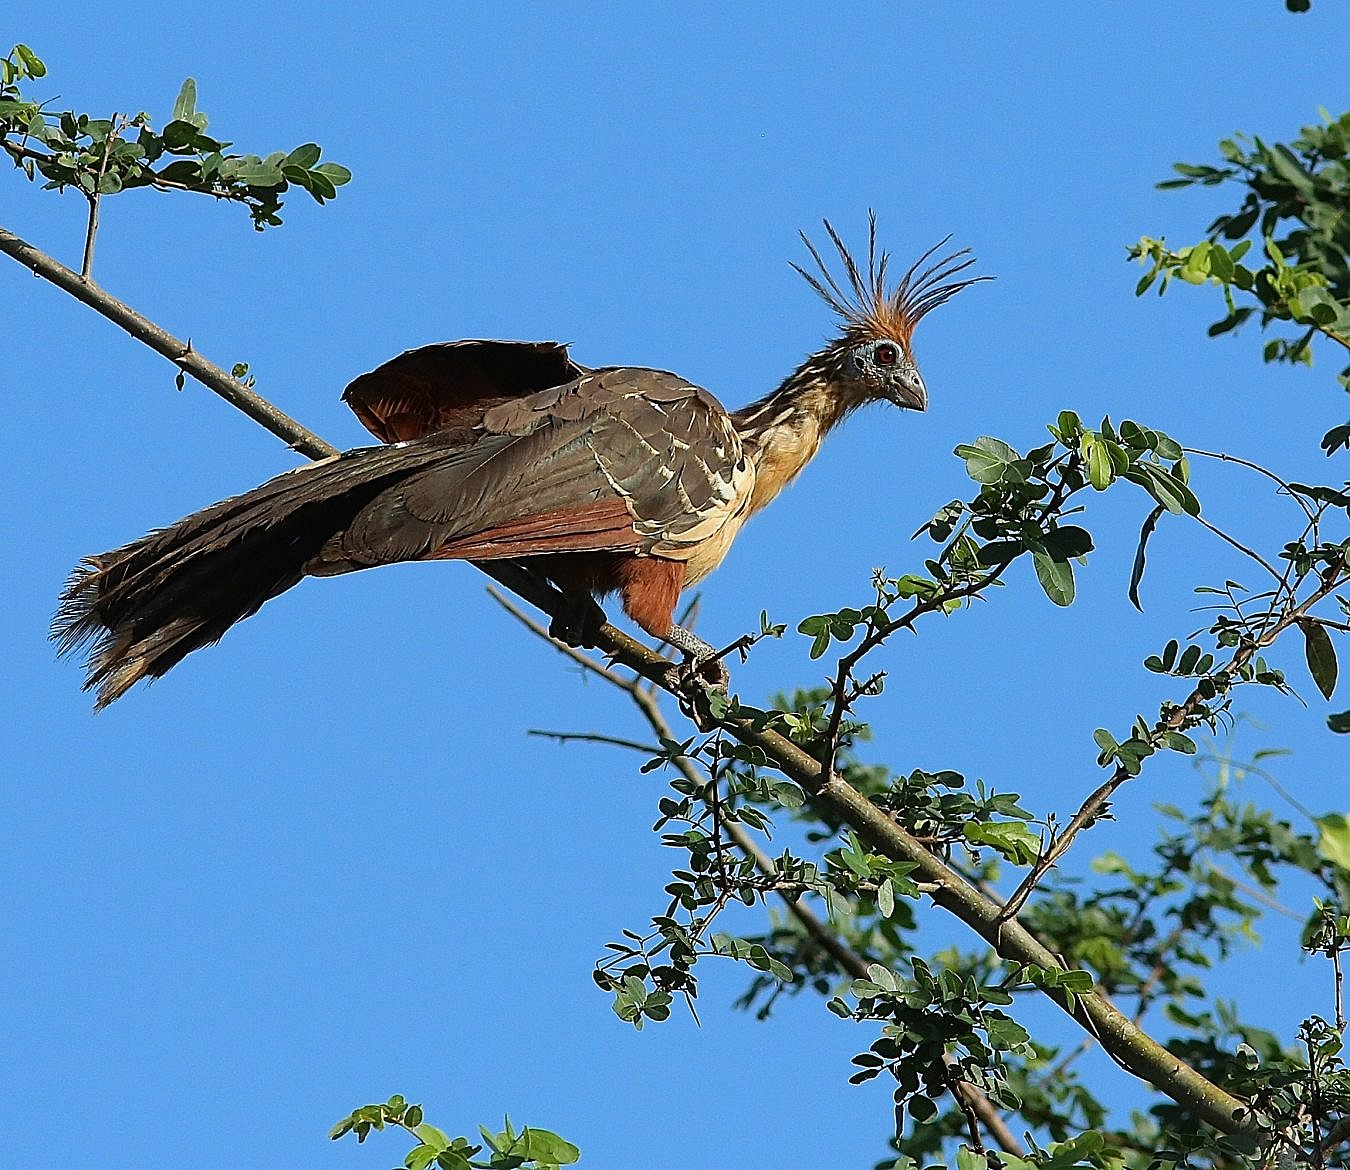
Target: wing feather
(448, 386)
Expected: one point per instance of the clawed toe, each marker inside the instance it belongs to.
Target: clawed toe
(691, 682)
(579, 623)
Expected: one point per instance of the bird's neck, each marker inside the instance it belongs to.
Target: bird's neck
(783, 430)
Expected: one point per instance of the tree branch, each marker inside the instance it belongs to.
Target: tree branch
(1177, 720)
(179, 352)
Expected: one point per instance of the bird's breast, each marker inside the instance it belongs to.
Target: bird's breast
(780, 454)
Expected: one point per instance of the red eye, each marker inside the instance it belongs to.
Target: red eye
(885, 355)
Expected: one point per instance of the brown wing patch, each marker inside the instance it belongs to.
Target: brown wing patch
(605, 524)
(448, 386)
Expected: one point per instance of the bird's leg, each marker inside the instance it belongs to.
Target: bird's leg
(579, 621)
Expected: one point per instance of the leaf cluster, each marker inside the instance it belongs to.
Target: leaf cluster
(1295, 203)
(509, 1149)
(105, 156)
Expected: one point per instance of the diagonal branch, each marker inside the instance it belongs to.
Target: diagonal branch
(161, 341)
(1178, 719)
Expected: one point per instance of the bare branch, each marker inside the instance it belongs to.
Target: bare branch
(179, 352)
(1256, 467)
(1242, 548)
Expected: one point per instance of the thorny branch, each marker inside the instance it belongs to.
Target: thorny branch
(1130, 1047)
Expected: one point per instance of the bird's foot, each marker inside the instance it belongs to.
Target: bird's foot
(579, 622)
(691, 680)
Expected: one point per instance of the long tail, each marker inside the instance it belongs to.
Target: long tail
(144, 606)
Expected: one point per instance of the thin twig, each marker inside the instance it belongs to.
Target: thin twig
(1223, 457)
(1340, 1005)
(94, 197)
(1257, 893)
(1180, 717)
(595, 737)
(1242, 548)
(179, 352)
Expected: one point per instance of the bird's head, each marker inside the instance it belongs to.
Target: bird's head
(872, 359)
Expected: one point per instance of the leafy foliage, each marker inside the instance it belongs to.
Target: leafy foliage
(510, 1149)
(1294, 207)
(105, 156)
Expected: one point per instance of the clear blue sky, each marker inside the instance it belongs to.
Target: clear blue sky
(322, 862)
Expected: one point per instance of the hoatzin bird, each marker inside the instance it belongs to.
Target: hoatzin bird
(613, 480)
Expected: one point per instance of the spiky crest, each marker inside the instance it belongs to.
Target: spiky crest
(866, 308)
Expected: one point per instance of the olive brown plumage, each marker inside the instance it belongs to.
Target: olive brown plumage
(621, 479)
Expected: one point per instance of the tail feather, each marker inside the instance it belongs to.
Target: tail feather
(143, 607)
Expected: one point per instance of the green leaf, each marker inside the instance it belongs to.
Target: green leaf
(886, 898)
(1010, 839)
(542, 1145)
(32, 64)
(1340, 722)
(1335, 439)
(304, 156)
(257, 173)
(1321, 655)
(1068, 424)
(1169, 490)
(186, 104)
(335, 173)
(921, 1109)
(1098, 459)
(1179, 743)
(432, 1136)
(1067, 541)
(1141, 557)
(987, 459)
(319, 186)
(968, 1159)
(1334, 840)
(1006, 1034)
(420, 1157)
(1056, 578)
(1105, 740)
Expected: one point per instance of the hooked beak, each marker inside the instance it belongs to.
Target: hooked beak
(910, 392)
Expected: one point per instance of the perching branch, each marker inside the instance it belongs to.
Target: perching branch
(179, 352)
